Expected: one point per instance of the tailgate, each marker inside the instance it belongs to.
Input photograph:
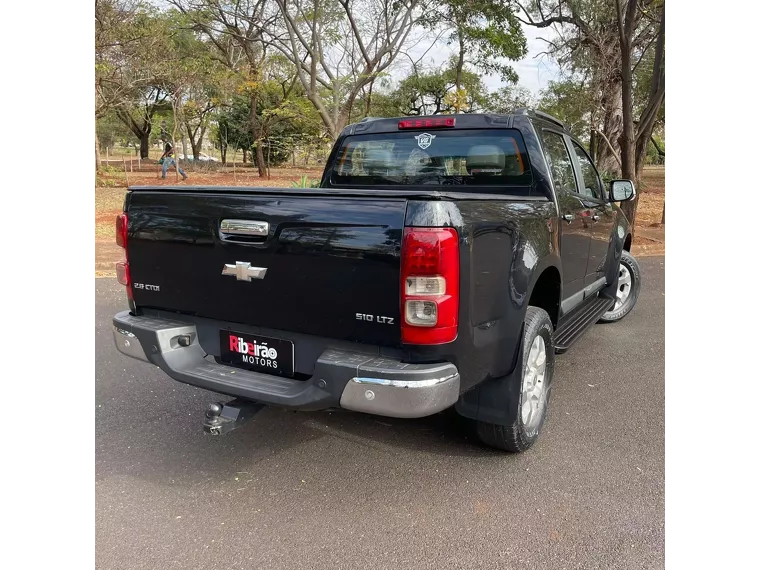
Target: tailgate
(327, 259)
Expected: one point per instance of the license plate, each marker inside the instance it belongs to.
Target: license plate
(258, 353)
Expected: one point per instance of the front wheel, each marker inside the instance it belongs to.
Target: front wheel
(528, 417)
(629, 284)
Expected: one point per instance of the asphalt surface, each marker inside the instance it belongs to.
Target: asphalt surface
(341, 490)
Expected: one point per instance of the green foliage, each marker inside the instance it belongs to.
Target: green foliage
(607, 177)
(305, 182)
(617, 48)
(487, 32)
(110, 177)
(111, 132)
(570, 102)
(653, 156)
(286, 120)
(433, 93)
(163, 126)
(508, 98)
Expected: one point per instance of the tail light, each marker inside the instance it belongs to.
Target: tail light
(122, 268)
(429, 285)
(434, 123)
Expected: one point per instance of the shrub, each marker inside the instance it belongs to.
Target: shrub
(305, 182)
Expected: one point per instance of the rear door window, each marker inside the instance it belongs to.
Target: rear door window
(487, 159)
(559, 161)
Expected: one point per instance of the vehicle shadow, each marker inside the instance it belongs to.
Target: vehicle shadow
(172, 447)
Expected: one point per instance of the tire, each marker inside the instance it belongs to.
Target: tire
(626, 300)
(523, 429)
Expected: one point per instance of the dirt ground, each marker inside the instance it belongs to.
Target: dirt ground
(649, 236)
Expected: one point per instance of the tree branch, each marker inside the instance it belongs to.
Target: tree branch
(612, 150)
(657, 147)
(355, 29)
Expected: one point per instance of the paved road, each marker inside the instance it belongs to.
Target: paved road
(349, 491)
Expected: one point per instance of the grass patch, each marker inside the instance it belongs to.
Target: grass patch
(109, 200)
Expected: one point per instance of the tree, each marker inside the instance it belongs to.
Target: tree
(568, 100)
(508, 98)
(236, 29)
(116, 36)
(197, 81)
(234, 126)
(487, 32)
(287, 117)
(606, 43)
(131, 42)
(287, 120)
(434, 93)
(339, 47)
(110, 131)
(138, 115)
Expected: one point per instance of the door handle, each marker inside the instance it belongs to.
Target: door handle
(595, 217)
(568, 217)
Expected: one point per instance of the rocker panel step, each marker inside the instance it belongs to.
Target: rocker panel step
(576, 323)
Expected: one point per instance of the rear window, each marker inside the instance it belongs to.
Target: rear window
(488, 159)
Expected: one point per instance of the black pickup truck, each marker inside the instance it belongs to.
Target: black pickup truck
(442, 261)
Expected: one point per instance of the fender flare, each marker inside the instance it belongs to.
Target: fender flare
(494, 399)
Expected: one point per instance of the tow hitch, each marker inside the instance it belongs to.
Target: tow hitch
(222, 418)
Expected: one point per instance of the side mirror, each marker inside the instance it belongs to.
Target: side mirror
(622, 190)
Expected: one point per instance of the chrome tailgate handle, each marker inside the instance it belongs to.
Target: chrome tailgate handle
(244, 228)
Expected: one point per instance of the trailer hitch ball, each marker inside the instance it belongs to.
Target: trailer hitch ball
(222, 418)
(213, 412)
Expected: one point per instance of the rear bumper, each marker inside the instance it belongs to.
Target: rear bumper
(351, 380)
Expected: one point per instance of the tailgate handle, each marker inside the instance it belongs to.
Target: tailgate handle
(244, 228)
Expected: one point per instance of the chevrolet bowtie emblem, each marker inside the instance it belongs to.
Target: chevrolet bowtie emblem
(243, 271)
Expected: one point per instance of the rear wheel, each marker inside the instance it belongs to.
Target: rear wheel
(627, 293)
(528, 417)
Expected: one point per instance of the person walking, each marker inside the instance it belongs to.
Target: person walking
(168, 160)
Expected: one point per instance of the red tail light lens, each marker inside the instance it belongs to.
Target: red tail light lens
(436, 123)
(122, 267)
(121, 230)
(429, 285)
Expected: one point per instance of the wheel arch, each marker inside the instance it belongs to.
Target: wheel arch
(546, 292)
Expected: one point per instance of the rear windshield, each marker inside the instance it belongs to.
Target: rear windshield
(488, 159)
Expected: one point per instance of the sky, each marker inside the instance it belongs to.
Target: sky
(534, 72)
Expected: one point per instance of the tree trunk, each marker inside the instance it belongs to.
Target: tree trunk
(256, 132)
(343, 116)
(460, 68)
(245, 155)
(612, 104)
(269, 158)
(184, 147)
(196, 148)
(145, 144)
(628, 138)
(223, 152)
(368, 102)
(629, 209)
(460, 62)
(656, 97)
(260, 160)
(97, 149)
(642, 145)
(662, 221)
